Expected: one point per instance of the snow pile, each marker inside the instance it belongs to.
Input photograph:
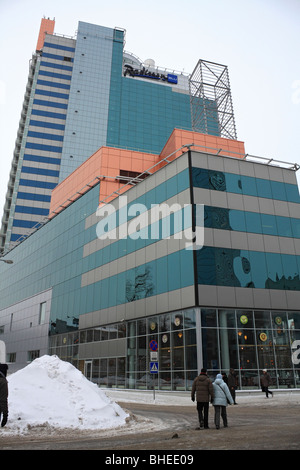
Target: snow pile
(51, 392)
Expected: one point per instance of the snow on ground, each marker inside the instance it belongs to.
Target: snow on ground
(50, 396)
(167, 398)
(50, 392)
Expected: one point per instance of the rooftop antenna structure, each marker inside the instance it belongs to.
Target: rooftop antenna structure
(210, 99)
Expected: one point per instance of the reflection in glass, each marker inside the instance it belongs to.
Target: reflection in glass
(190, 318)
(141, 353)
(210, 348)
(178, 380)
(243, 268)
(285, 378)
(265, 350)
(247, 349)
(228, 349)
(164, 322)
(227, 319)
(262, 319)
(208, 318)
(121, 363)
(250, 379)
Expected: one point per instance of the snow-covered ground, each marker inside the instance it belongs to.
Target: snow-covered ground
(51, 395)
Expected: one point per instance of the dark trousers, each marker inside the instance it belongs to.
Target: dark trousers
(220, 411)
(4, 410)
(267, 391)
(232, 391)
(202, 408)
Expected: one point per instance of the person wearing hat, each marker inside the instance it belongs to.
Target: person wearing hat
(222, 397)
(3, 394)
(202, 387)
(266, 381)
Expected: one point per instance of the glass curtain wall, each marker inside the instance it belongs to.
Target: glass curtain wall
(250, 341)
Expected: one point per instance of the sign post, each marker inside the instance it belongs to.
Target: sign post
(153, 362)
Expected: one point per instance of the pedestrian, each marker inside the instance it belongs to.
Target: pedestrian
(3, 394)
(266, 381)
(222, 397)
(202, 387)
(232, 384)
(224, 377)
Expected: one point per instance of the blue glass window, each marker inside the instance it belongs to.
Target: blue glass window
(59, 46)
(31, 210)
(253, 222)
(40, 171)
(56, 57)
(48, 148)
(50, 104)
(33, 197)
(54, 94)
(52, 65)
(49, 125)
(39, 159)
(243, 268)
(53, 84)
(268, 223)
(37, 184)
(230, 182)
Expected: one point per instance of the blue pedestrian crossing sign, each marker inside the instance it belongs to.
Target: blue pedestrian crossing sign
(154, 367)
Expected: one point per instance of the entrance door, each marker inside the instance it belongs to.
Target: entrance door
(88, 369)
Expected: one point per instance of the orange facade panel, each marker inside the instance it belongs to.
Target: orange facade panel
(47, 27)
(202, 143)
(105, 165)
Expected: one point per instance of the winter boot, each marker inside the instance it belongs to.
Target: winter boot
(4, 421)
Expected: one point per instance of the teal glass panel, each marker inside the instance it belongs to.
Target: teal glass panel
(242, 268)
(237, 220)
(247, 185)
(253, 222)
(295, 227)
(268, 224)
(284, 226)
(263, 188)
(290, 272)
(206, 266)
(218, 181)
(274, 271)
(278, 190)
(233, 183)
(292, 193)
(258, 269)
(200, 178)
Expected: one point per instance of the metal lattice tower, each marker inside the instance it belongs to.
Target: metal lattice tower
(211, 103)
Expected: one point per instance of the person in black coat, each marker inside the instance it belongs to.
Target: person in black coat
(232, 383)
(3, 394)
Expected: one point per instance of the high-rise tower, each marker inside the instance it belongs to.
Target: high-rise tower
(82, 93)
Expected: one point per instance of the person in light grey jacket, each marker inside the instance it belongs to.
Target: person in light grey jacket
(222, 397)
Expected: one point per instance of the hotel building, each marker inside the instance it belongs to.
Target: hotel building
(114, 279)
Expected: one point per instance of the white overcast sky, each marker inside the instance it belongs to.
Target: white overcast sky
(259, 40)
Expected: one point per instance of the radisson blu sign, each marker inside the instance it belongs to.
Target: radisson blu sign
(145, 73)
